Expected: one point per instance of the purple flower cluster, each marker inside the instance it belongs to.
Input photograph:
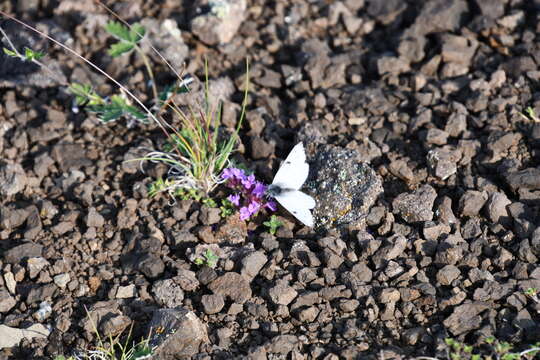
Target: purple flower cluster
(249, 193)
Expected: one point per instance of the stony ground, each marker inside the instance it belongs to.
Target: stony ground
(432, 233)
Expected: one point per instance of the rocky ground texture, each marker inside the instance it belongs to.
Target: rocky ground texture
(434, 232)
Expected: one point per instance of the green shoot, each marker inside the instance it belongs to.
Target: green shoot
(531, 292)
(227, 208)
(106, 110)
(209, 202)
(29, 54)
(273, 224)
(129, 36)
(113, 349)
(209, 259)
(199, 151)
(491, 349)
(530, 114)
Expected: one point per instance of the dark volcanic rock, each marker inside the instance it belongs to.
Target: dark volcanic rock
(344, 186)
(416, 206)
(524, 179)
(212, 304)
(233, 286)
(465, 318)
(183, 332)
(21, 252)
(12, 179)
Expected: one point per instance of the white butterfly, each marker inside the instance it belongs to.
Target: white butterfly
(287, 183)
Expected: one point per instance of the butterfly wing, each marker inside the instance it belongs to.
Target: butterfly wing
(294, 171)
(298, 204)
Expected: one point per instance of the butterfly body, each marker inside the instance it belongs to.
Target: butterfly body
(287, 183)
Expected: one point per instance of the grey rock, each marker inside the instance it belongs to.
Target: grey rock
(438, 16)
(436, 136)
(252, 264)
(400, 169)
(416, 206)
(168, 293)
(220, 24)
(496, 208)
(386, 12)
(126, 292)
(33, 223)
(471, 202)
(466, 317)
(435, 230)
(212, 304)
(34, 266)
(456, 124)
(344, 187)
(346, 305)
(490, 9)
(12, 179)
(392, 65)
(209, 215)
(11, 337)
(282, 344)
(492, 291)
(183, 333)
(22, 252)
(443, 162)
(447, 274)
(233, 286)
(167, 38)
(11, 218)
(94, 218)
(151, 265)
(114, 325)
(308, 314)
(39, 293)
(206, 275)
(187, 280)
(395, 246)
(70, 156)
(7, 302)
(61, 280)
(282, 293)
(525, 179)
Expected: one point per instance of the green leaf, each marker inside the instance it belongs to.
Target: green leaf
(30, 54)
(110, 113)
(10, 52)
(136, 33)
(136, 113)
(120, 48)
(118, 30)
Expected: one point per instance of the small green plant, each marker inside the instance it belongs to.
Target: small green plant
(489, 349)
(227, 208)
(209, 259)
(273, 224)
(105, 110)
(530, 114)
(531, 292)
(29, 54)
(112, 349)
(197, 151)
